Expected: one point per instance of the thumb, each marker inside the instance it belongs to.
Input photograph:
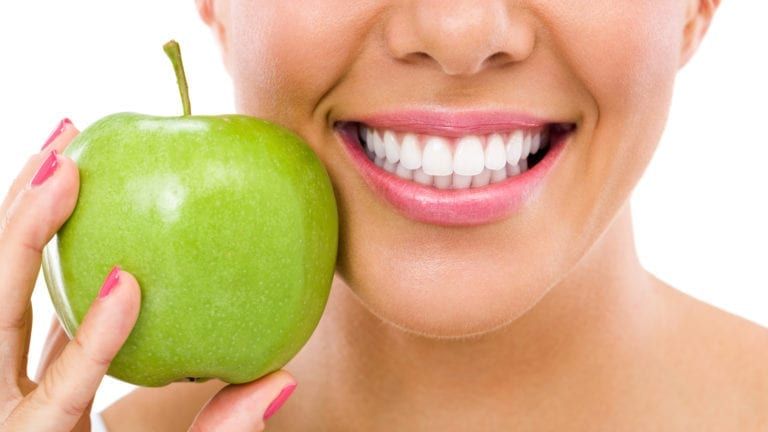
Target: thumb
(245, 406)
(69, 384)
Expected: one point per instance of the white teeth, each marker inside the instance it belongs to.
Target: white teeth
(410, 154)
(420, 177)
(482, 179)
(437, 159)
(461, 181)
(391, 147)
(378, 145)
(495, 153)
(469, 159)
(388, 166)
(498, 175)
(443, 181)
(403, 172)
(384, 164)
(369, 140)
(535, 141)
(515, 147)
(526, 146)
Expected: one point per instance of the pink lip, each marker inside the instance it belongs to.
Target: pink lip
(453, 124)
(451, 207)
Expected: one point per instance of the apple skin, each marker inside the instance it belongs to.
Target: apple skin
(230, 225)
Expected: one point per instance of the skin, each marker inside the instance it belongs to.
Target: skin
(543, 321)
(491, 327)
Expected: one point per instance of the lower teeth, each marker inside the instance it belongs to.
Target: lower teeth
(456, 181)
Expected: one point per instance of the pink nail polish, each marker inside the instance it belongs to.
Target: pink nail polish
(46, 169)
(110, 282)
(56, 132)
(279, 401)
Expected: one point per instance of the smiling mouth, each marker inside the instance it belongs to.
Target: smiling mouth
(454, 168)
(455, 161)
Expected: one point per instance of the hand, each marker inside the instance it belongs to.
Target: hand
(38, 203)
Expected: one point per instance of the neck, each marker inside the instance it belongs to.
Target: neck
(602, 304)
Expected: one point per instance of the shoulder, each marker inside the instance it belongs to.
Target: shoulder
(722, 359)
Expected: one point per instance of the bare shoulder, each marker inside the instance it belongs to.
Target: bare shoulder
(723, 359)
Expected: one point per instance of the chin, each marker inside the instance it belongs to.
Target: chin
(452, 306)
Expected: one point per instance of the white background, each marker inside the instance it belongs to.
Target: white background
(700, 213)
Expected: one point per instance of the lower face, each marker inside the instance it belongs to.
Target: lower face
(463, 199)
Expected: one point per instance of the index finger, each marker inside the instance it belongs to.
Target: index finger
(40, 209)
(59, 139)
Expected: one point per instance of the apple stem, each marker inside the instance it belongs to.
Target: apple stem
(173, 52)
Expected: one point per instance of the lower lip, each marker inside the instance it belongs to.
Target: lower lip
(452, 207)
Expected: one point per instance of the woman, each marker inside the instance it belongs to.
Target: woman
(499, 292)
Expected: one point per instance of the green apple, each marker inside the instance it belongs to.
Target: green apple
(229, 223)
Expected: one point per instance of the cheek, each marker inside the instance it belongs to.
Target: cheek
(626, 55)
(628, 60)
(624, 52)
(285, 56)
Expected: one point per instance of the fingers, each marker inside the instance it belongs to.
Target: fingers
(69, 384)
(60, 138)
(245, 406)
(39, 210)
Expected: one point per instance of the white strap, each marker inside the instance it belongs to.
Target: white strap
(97, 423)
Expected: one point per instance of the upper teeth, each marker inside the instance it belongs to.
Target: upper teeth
(420, 157)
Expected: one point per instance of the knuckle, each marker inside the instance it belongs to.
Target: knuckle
(52, 395)
(73, 408)
(31, 247)
(28, 234)
(13, 324)
(49, 383)
(81, 344)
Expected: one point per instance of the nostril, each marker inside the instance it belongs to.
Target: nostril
(498, 59)
(418, 57)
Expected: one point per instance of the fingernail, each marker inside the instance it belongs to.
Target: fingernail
(46, 169)
(110, 282)
(56, 132)
(279, 401)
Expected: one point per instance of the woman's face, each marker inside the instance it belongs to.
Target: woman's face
(605, 68)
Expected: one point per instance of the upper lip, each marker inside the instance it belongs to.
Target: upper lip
(453, 123)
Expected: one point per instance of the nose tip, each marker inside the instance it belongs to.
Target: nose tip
(460, 37)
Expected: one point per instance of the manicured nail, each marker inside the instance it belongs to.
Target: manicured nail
(56, 132)
(46, 169)
(279, 401)
(110, 282)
